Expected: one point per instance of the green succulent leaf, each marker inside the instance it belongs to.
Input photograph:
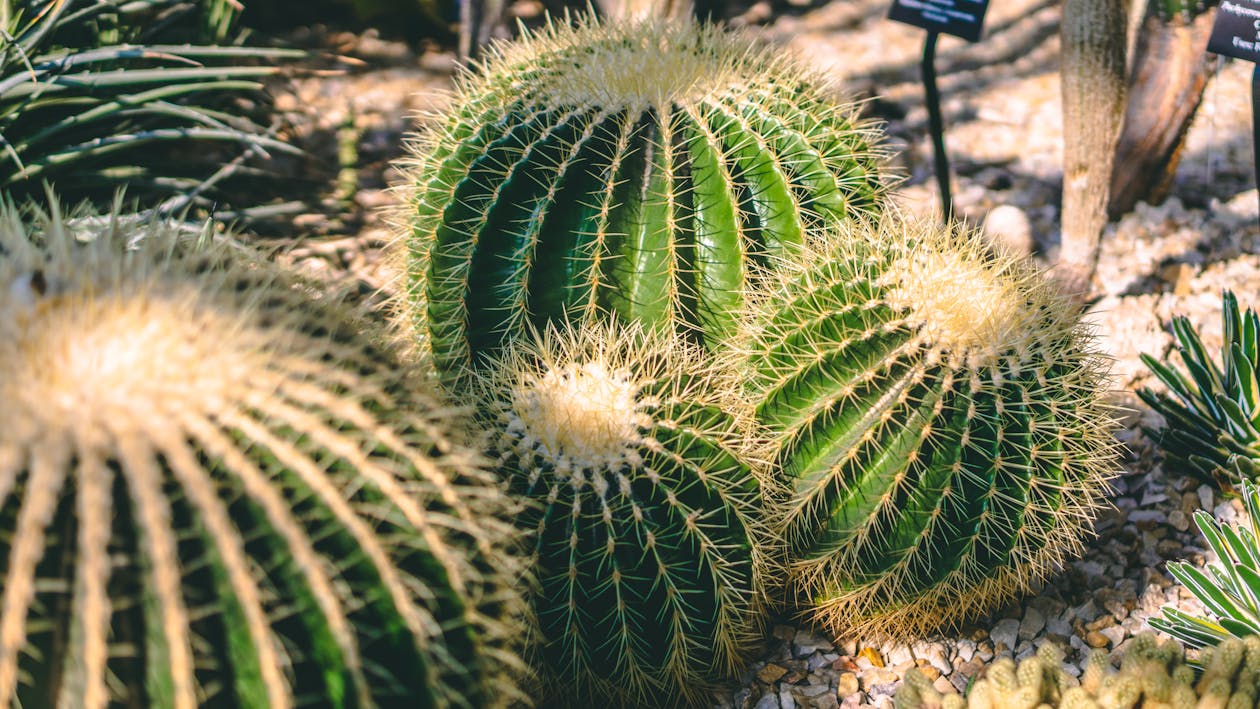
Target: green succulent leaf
(1213, 413)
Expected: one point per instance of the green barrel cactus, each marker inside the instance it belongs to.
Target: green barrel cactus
(215, 490)
(938, 411)
(644, 169)
(647, 528)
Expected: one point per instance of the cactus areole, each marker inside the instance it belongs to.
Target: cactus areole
(938, 411)
(644, 169)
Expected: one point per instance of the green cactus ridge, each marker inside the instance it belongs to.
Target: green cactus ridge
(650, 553)
(645, 169)
(1212, 410)
(1153, 674)
(211, 494)
(938, 411)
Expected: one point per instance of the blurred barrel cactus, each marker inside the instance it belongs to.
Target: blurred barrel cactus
(642, 168)
(212, 493)
(648, 525)
(939, 413)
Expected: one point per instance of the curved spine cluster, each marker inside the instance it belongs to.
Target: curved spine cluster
(212, 491)
(645, 168)
(647, 522)
(938, 411)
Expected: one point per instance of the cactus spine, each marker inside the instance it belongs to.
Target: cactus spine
(649, 553)
(938, 412)
(643, 168)
(211, 493)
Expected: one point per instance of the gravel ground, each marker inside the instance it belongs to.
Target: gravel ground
(1001, 100)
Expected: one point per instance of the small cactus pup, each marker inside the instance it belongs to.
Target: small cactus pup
(649, 552)
(215, 490)
(644, 168)
(1213, 411)
(938, 411)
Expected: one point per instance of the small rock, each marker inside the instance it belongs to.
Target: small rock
(1115, 634)
(898, 654)
(1032, 624)
(1005, 632)
(872, 656)
(1179, 520)
(1096, 639)
(786, 700)
(877, 677)
(847, 685)
(1205, 496)
(807, 643)
(1008, 226)
(771, 673)
(965, 648)
(1225, 512)
(769, 700)
(784, 632)
(813, 690)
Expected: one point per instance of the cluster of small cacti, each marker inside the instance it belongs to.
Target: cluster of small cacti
(695, 229)
(1213, 413)
(1153, 674)
(216, 489)
(938, 412)
(643, 169)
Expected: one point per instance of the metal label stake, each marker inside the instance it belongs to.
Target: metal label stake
(961, 18)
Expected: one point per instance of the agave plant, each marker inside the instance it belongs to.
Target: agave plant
(1229, 587)
(85, 109)
(1213, 413)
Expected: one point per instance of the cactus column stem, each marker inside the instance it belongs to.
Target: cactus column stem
(1094, 90)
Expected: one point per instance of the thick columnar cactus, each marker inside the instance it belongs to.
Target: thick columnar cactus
(212, 492)
(649, 555)
(938, 411)
(642, 168)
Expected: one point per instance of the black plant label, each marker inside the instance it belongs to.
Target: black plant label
(961, 18)
(1237, 30)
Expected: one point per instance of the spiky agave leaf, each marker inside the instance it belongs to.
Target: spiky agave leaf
(644, 168)
(137, 21)
(159, 119)
(1228, 587)
(1212, 410)
(214, 488)
(649, 545)
(938, 411)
